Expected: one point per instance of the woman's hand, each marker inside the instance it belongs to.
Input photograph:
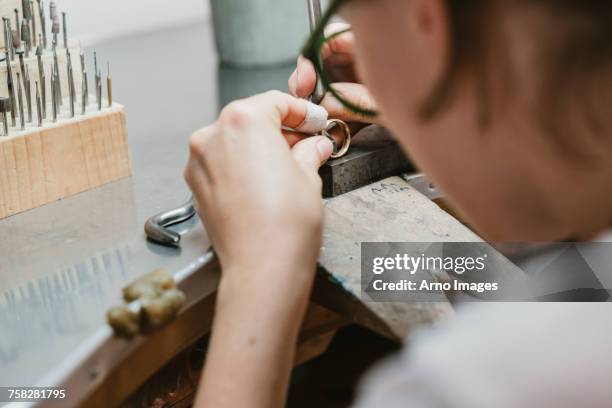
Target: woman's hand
(258, 193)
(256, 188)
(338, 56)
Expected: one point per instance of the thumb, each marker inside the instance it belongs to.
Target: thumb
(311, 153)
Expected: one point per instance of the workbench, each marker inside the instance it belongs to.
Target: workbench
(64, 264)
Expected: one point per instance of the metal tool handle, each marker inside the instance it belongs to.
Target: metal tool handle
(314, 16)
(155, 227)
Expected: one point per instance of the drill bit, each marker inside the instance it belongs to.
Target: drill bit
(41, 77)
(39, 106)
(21, 61)
(43, 23)
(55, 29)
(33, 22)
(8, 40)
(20, 96)
(28, 93)
(100, 93)
(57, 79)
(83, 96)
(71, 88)
(16, 41)
(25, 6)
(85, 83)
(52, 10)
(17, 22)
(65, 30)
(5, 103)
(109, 87)
(98, 82)
(11, 89)
(53, 98)
(25, 37)
(95, 63)
(5, 106)
(58, 91)
(54, 21)
(12, 41)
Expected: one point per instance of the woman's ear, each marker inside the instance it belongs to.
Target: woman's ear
(430, 31)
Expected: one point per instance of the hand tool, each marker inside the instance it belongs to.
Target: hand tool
(85, 81)
(71, 88)
(41, 77)
(28, 92)
(39, 110)
(156, 226)
(8, 39)
(20, 99)
(5, 106)
(25, 37)
(109, 87)
(314, 15)
(65, 30)
(43, 23)
(33, 22)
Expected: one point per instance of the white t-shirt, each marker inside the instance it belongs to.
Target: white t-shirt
(502, 355)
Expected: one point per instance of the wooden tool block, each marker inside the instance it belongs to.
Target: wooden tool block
(45, 164)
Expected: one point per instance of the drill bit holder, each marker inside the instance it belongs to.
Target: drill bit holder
(57, 140)
(43, 164)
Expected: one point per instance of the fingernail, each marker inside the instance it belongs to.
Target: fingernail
(297, 80)
(325, 148)
(293, 83)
